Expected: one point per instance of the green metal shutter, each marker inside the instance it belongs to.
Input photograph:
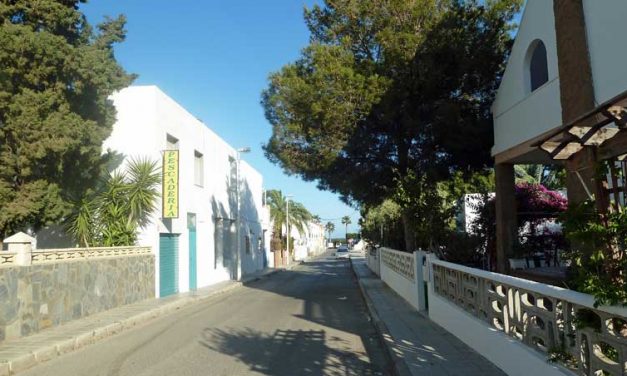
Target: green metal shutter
(193, 278)
(191, 226)
(168, 264)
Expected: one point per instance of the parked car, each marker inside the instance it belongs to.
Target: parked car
(342, 252)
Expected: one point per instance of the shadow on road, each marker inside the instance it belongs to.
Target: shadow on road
(301, 352)
(330, 298)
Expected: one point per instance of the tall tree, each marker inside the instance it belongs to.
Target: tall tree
(330, 227)
(56, 73)
(389, 95)
(346, 220)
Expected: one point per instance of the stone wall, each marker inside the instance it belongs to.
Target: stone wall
(36, 297)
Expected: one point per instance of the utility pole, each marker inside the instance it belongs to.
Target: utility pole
(238, 222)
(287, 224)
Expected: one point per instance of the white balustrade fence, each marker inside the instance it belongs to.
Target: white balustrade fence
(549, 319)
(402, 272)
(48, 256)
(7, 258)
(73, 254)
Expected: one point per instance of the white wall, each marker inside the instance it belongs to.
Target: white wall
(606, 30)
(508, 354)
(145, 116)
(518, 114)
(373, 262)
(408, 289)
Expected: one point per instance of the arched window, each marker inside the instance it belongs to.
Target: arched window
(538, 67)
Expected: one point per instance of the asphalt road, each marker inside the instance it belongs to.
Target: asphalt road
(308, 321)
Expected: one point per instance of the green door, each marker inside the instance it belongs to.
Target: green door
(168, 264)
(191, 226)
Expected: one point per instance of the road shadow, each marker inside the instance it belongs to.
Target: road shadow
(288, 352)
(330, 298)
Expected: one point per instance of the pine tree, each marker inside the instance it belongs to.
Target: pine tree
(56, 74)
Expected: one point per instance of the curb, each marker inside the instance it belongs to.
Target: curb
(23, 360)
(398, 364)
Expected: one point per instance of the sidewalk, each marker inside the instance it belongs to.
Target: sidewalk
(23, 353)
(416, 345)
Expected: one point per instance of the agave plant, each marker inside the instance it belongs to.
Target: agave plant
(113, 215)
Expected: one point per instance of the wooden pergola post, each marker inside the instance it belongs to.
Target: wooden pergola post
(576, 96)
(506, 221)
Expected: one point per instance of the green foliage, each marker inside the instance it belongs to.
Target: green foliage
(598, 257)
(346, 220)
(585, 318)
(112, 216)
(381, 224)
(298, 214)
(329, 227)
(562, 356)
(462, 248)
(551, 176)
(56, 74)
(381, 92)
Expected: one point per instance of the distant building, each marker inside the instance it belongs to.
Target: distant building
(310, 242)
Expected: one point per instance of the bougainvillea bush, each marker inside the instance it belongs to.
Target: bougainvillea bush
(535, 205)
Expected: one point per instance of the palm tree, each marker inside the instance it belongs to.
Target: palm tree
(330, 227)
(112, 215)
(346, 220)
(298, 214)
(551, 177)
(316, 218)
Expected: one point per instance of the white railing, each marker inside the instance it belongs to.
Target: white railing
(45, 256)
(7, 258)
(562, 323)
(402, 263)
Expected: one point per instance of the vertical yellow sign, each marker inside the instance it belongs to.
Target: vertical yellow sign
(170, 184)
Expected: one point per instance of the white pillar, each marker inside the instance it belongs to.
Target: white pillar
(420, 263)
(23, 245)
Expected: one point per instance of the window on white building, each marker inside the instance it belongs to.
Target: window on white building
(171, 142)
(538, 66)
(198, 169)
(248, 245)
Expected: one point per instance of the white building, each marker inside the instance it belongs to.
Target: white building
(199, 247)
(562, 100)
(310, 242)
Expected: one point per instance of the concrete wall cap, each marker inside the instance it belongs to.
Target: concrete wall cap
(20, 237)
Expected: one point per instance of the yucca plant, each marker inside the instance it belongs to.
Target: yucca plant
(113, 215)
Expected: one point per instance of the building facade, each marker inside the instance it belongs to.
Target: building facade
(310, 242)
(561, 101)
(200, 246)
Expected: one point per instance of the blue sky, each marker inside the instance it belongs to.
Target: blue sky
(214, 57)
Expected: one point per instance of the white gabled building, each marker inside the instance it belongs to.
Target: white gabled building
(199, 248)
(562, 100)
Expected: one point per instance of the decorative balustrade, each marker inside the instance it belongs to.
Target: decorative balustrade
(400, 262)
(561, 323)
(71, 254)
(7, 258)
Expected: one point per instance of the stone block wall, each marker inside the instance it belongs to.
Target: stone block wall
(36, 297)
